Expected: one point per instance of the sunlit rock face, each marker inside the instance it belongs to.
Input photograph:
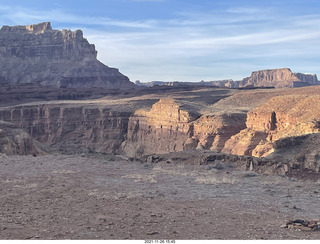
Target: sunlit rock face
(39, 54)
(279, 78)
(278, 118)
(170, 126)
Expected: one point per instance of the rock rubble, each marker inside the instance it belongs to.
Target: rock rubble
(305, 225)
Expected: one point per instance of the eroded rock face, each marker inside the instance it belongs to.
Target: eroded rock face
(72, 128)
(15, 141)
(212, 131)
(39, 54)
(278, 118)
(170, 126)
(279, 78)
(165, 128)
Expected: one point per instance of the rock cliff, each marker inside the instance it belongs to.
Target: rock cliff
(39, 54)
(280, 117)
(173, 126)
(164, 128)
(278, 78)
(71, 128)
(168, 126)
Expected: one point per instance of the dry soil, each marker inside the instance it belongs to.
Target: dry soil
(102, 197)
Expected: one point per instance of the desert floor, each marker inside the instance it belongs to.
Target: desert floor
(99, 197)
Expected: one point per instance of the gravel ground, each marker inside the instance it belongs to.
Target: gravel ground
(91, 197)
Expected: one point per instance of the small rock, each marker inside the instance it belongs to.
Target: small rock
(305, 228)
(152, 233)
(290, 226)
(284, 226)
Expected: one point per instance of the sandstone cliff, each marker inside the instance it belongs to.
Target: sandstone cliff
(278, 78)
(98, 127)
(71, 128)
(39, 54)
(280, 117)
(173, 126)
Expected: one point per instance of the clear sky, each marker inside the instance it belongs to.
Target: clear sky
(186, 40)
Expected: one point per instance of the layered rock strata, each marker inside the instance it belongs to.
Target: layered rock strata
(278, 118)
(38, 54)
(279, 78)
(170, 126)
(164, 128)
(167, 127)
(71, 128)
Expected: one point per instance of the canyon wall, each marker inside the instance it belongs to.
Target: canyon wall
(280, 117)
(38, 54)
(71, 129)
(167, 127)
(171, 126)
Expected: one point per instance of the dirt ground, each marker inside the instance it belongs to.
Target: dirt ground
(94, 197)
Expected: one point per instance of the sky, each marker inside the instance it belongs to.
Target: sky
(186, 40)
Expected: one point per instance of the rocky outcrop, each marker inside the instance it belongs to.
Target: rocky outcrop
(39, 54)
(302, 151)
(15, 141)
(278, 78)
(280, 117)
(222, 161)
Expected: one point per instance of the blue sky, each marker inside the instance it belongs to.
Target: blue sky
(186, 40)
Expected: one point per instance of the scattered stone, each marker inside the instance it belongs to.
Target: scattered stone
(305, 225)
(152, 233)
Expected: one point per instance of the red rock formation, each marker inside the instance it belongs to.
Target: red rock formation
(212, 131)
(278, 78)
(165, 128)
(278, 118)
(170, 126)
